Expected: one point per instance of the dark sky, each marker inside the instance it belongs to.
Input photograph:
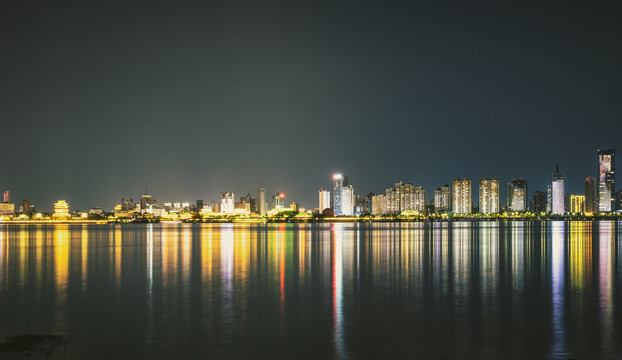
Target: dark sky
(99, 100)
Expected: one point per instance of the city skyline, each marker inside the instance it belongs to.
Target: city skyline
(500, 200)
(192, 101)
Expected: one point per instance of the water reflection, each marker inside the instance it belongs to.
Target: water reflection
(488, 289)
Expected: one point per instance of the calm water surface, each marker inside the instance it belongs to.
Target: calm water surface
(414, 290)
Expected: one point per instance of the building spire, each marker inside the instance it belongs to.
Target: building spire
(557, 168)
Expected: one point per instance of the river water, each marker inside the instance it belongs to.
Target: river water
(317, 291)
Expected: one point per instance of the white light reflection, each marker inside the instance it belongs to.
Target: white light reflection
(150, 326)
(557, 280)
(605, 270)
(338, 337)
(226, 257)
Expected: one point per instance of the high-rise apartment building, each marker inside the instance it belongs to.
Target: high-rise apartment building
(558, 194)
(517, 195)
(404, 197)
(348, 200)
(442, 199)
(462, 196)
(227, 202)
(261, 201)
(379, 205)
(591, 195)
(606, 180)
(489, 196)
(324, 199)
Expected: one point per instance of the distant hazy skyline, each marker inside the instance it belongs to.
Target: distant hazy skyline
(102, 100)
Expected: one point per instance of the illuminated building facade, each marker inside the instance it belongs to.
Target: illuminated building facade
(517, 195)
(261, 201)
(379, 205)
(7, 209)
(606, 180)
(278, 201)
(369, 203)
(405, 197)
(7, 196)
(61, 210)
(489, 196)
(324, 199)
(558, 194)
(348, 200)
(343, 196)
(591, 195)
(245, 203)
(227, 202)
(442, 199)
(462, 196)
(577, 203)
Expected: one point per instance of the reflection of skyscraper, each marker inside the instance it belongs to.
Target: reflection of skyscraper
(462, 196)
(442, 199)
(489, 196)
(261, 201)
(517, 195)
(591, 195)
(558, 194)
(324, 199)
(606, 179)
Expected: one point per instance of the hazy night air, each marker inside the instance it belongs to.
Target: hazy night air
(100, 100)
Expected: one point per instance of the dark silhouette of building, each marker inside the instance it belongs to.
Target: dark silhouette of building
(538, 202)
(591, 195)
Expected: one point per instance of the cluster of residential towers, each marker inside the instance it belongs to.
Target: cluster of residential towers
(600, 196)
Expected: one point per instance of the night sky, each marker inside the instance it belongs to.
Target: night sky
(101, 100)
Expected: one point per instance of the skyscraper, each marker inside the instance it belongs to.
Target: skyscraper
(261, 201)
(517, 195)
(442, 199)
(343, 196)
(7, 196)
(489, 196)
(227, 202)
(606, 180)
(348, 201)
(591, 195)
(577, 203)
(558, 194)
(278, 201)
(462, 196)
(324, 199)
